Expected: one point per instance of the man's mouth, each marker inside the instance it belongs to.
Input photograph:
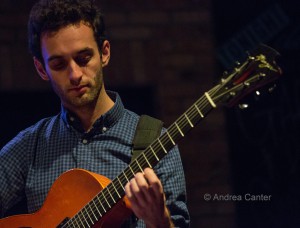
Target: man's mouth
(79, 89)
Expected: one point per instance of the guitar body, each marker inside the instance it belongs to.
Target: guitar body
(70, 193)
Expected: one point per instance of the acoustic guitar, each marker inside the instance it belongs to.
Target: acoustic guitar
(79, 198)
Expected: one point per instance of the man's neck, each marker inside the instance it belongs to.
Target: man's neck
(90, 113)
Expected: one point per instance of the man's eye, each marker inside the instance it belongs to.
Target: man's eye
(83, 60)
(57, 65)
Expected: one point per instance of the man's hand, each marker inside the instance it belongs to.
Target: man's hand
(145, 193)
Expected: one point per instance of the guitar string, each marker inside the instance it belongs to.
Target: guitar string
(135, 168)
(158, 146)
(179, 121)
(79, 215)
(191, 114)
(164, 139)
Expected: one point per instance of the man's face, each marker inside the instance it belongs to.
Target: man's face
(73, 65)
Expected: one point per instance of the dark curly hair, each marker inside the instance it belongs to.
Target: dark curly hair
(52, 15)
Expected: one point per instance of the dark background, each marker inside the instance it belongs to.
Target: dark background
(263, 140)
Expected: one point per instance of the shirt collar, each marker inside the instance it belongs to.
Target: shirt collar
(103, 123)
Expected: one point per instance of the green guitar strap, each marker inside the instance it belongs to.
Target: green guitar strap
(147, 130)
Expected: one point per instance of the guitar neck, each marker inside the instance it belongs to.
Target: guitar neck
(115, 191)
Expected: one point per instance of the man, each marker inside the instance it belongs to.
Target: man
(93, 131)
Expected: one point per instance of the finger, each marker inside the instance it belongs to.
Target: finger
(143, 187)
(128, 191)
(155, 185)
(132, 199)
(138, 196)
(140, 188)
(152, 178)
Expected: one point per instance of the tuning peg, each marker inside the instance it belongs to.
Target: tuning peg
(243, 106)
(257, 95)
(247, 84)
(262, 75)
(251, 57)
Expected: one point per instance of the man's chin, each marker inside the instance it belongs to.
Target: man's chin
(82, 101)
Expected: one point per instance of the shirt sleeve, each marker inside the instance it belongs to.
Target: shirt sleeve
(171, 173)
(13, 168)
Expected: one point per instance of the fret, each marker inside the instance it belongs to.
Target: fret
(77, 224)
(101, 204)
(92, 213)
(162, 146)
(154, 153)
(210, 100)
(106, 200)
(200, 113)
(84, 218)
(125, 176)
(179, 129)
(97, 208)
(69, 223)
(147, 160)
(116, 190)
(139, 166)
(131, 170)
(92, 221)
(111, 195)
(121, 183)
(170, 138)
(81, 221)
(188, 120)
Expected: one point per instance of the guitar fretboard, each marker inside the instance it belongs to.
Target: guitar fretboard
(115, 191)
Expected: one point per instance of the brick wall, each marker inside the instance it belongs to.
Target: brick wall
(165, 44)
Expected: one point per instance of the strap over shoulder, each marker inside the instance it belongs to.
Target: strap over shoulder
(147, 130)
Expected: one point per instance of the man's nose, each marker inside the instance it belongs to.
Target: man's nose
(75, 73)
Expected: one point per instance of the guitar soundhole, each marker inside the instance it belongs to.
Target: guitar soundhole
(63, 222)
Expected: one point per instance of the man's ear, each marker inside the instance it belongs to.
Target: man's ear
(40, 69)
(105, 53)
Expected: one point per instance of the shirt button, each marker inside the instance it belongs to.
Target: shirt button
(84, 141)
(72, 118)
(104, 129)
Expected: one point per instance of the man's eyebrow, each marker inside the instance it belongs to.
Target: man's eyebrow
(87, 49)
(53, 57)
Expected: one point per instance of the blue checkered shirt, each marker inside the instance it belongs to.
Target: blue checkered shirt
(37, 156)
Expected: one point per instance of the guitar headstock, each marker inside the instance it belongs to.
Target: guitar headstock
(258, 70)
